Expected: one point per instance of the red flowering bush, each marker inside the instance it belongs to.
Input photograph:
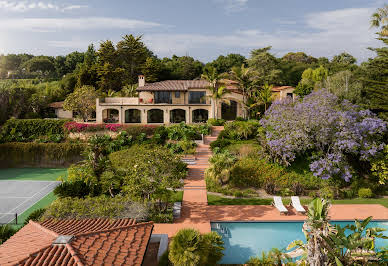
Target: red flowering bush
(82, 127)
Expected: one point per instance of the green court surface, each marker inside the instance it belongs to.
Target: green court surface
(46, 174)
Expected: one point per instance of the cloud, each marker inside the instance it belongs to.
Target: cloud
(319, 34)
(74, 24)
(232, 6)
(23, 6)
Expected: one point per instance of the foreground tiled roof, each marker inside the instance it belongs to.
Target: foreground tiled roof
(78, 242)
(174, 85)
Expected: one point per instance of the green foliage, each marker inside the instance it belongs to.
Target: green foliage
(224, 64)
(82, 101)
(40, 154)
(380, 167)
(96, 207)
(6, 231)
(239, 130)
(220, 165)
(273, 257)
(183, 131)
(220, 144)
(148, 171)
(35, 215)
(182, 67)
(190, 248)
(135, 131)
(77, 188)
(365, 193)
(24, 130)
(326, 192)
(215, 122)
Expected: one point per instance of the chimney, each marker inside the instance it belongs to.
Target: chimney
(141, 80)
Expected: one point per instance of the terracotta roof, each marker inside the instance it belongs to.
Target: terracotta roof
(56, 105)
(276, 89)
(78, 242)
(174, 85)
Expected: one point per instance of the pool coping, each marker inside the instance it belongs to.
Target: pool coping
(293, 221)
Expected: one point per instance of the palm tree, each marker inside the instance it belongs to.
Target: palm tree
(315, 228)
(265, 95)
(211, 75)
(217, 94)
(380, 19)
(245, 78)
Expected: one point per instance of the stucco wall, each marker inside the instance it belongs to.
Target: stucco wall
(60, 113)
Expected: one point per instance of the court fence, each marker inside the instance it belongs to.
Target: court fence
(8, 218)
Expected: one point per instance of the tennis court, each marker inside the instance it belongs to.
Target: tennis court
(21, 188)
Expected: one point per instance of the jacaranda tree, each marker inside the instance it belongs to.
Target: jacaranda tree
(338, 137)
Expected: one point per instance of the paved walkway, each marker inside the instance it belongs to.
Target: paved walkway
(197, 214)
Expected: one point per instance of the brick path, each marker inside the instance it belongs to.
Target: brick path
(197, 214)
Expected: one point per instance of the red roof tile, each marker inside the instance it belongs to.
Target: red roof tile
(56, 105)
(86, 242)
(174, 85)
(276, 89)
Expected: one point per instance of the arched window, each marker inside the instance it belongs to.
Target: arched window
(155, 116)
(132, 116)
(110, 116)
(229, 111)
(200, 115)
(177, 116)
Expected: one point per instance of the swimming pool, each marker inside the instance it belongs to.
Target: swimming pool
(243, 240)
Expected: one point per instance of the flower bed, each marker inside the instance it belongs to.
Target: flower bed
(75, 127)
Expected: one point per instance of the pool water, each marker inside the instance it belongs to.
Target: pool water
(243, 240)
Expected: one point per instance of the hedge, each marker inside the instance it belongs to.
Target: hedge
(18, 154)
(29, 129)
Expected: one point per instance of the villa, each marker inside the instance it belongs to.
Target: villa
(175, 101)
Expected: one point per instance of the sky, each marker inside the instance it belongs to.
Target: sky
(203, 29)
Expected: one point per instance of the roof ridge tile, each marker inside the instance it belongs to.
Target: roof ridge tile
(44, 229)
(113, 228)
(74, 254)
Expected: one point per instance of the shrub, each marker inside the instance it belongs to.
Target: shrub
(135, 131)
(40, 154)
(148, 170)
(72, 126)
(25, 130)
(326, 193)
(216, 122)
(96, 207)
(238, 130)
(189, 247)
(220, 143)
(160, 136)
(35, 215)
(297, 188)
(184, 131)
(365, 193)
(270, 187)
(220, 165)
(72, 189)
(6, 231)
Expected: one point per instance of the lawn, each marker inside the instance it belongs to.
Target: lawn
(46, 174)
(218, 200)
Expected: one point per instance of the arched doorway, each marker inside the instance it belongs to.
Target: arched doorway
(155, 116)
(200, 115)
(229, 110)
(132, 116)
(177, 116)
(110, 116)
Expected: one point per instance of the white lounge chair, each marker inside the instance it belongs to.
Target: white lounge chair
(295, 202)
(278, 203)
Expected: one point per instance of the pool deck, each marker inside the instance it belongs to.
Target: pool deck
(196, 213)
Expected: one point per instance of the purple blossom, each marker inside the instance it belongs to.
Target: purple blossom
(322, 124)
